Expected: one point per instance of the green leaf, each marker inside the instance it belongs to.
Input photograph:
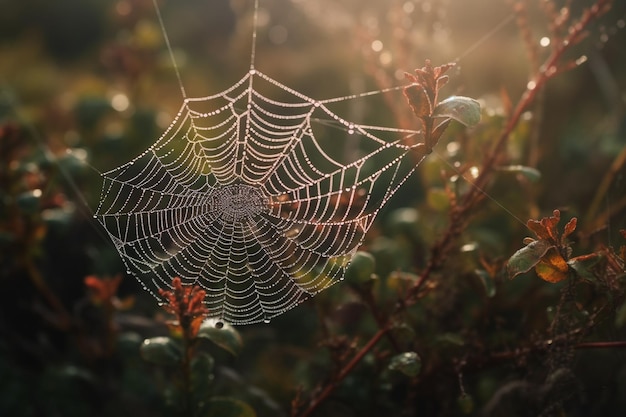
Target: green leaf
(28, 201)
(409, 363)
(526, 258)
(361, 268)
(403, 334)
(585, 265)
(228, 407)
(222, 334)
(531, 174)
(438, 131)
(202, 375)
(161, 350)
(74, 161)
(466, 403)
(450, 339)
(462, 109)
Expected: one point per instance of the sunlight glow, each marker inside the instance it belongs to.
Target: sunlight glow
(120, 102)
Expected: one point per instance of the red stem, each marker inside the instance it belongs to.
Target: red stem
(601, 345)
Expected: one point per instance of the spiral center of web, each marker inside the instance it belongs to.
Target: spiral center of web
(239, 201)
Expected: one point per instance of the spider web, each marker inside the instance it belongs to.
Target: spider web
(247, 195)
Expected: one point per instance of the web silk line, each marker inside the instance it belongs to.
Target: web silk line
(169, 48)
(254, 34)
(486, 37)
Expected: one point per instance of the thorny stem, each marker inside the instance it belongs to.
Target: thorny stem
(460, 213)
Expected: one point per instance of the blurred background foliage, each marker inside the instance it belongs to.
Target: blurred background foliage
(87, 84)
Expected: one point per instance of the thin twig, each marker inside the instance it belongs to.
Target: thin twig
(460, 213)
(345, 371)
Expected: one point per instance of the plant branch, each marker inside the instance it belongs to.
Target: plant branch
(345, 371)
(460, 213)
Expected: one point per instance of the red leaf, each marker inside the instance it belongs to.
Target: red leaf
(570, 227)
(102, 290)
(546, 227)
(186, 304)
(418, 100)
(442, 69)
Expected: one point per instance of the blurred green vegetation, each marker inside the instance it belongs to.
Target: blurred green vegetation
(85, 85)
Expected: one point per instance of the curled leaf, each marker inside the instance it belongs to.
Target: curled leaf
(465, 110)
(418, 100)
(546, 227)
(570, 227)
(527, 258)
(222, 334)
(438, 131)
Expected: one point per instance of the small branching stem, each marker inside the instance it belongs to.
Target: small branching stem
(461, 212)
(345, 371)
